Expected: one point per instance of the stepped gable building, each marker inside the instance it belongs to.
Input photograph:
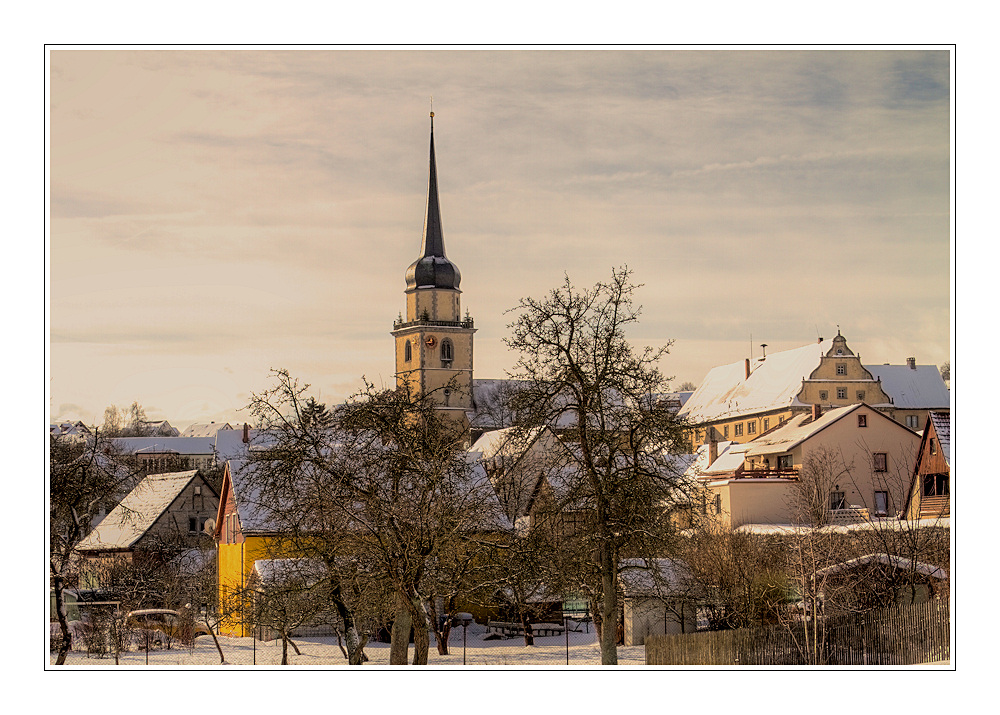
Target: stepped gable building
(742, 400)
(434, 341)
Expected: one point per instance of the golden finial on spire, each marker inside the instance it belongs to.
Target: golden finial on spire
(432, 106)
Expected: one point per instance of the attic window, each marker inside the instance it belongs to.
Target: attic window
(933, 446)
(841, 368)
(879, 459)
(862, 420)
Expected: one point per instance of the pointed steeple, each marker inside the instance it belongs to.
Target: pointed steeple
(432, 269)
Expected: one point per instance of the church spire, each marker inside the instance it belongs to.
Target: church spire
(432, 269)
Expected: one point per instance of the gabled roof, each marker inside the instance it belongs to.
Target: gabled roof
(773, 384)
(887, 560)
(204, 429)
(919, 387)
(169, 445)
(138, 511)
(942, 428)
(798, 429)
(653, 577)
(254, 516)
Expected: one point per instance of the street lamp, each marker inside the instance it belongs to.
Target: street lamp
(465, 619)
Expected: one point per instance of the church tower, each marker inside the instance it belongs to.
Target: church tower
(434, 341)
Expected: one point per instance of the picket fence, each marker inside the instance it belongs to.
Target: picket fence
(901, 635)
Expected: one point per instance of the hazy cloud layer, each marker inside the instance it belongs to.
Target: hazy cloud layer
(218, 213)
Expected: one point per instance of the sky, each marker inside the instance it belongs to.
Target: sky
(214, 214)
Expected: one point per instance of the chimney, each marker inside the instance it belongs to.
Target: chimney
(911, 362)
(816, 412)
(747, 369)
(246, 433)
(713, 446)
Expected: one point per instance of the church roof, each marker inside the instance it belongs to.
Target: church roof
(432, 269)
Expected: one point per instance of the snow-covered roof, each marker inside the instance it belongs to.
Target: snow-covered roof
(168, 445)
(700, 461)
(730, 458)
(642, 577)
(507, 442)
(229, 442)
(919, 387)
(942, 428)
(773, 384)
(279, 571)
(886, 560)
(204, 429)
(137, 512)
(795, 431)
(253, 513)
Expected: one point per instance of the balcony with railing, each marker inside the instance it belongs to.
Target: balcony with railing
(468, 323)
(768, 473)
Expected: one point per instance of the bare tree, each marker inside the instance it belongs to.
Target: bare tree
(380, 488)
(86, 479)
(813, 492)
(577, 365)
(740, 578)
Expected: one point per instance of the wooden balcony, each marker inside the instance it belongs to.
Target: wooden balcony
(935, 507)
(790, 473)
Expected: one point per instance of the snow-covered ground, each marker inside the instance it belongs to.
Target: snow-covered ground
(319, 651)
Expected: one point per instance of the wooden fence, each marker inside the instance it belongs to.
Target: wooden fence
(902, 635)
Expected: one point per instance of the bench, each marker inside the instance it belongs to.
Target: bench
(510, 630)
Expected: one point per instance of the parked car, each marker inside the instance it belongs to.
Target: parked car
(171, 624)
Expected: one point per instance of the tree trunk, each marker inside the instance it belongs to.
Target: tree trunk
(284, 648)
(295, 647)
(67, 640)
(211, 631)
(421, 640)
(355, 654)
(529, 637)
(399, 643)
(609, 606)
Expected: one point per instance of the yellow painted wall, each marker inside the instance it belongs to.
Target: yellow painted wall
(235, 564)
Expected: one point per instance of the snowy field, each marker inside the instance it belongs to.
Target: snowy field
(549, 651)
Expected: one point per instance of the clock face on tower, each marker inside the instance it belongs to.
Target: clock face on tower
(431, 341)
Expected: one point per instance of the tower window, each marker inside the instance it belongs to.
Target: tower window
(408, 351)
(447, 351)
